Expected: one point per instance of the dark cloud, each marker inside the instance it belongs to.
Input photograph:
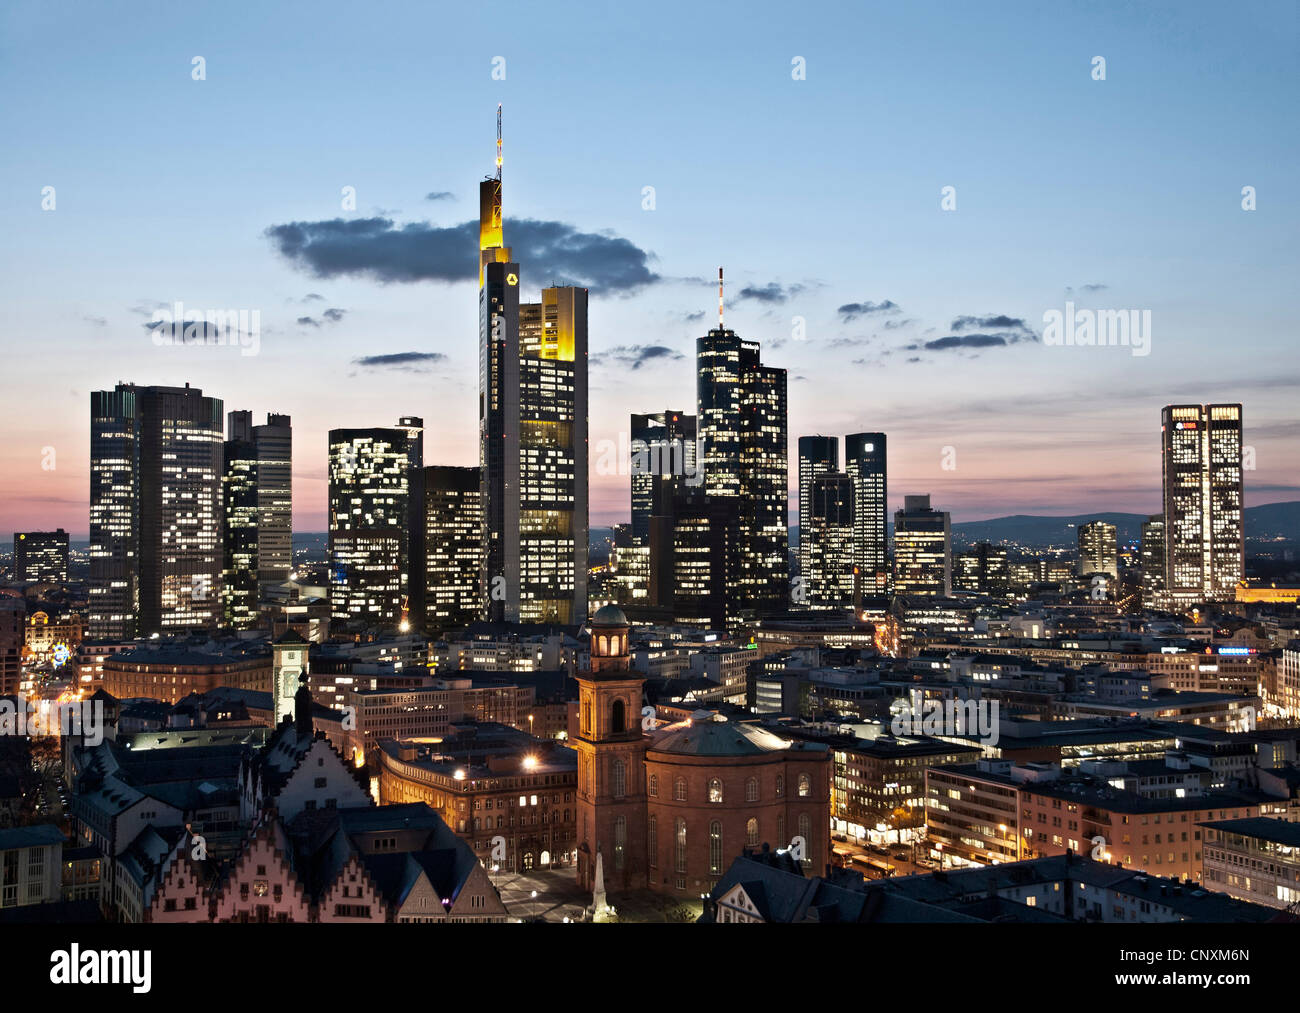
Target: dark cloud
(1094, 287)
(693, 317)
(958, 341)
(769, 293)
(378, 248)
(1000, 322)
(333, 315)
(852, 310)
(440, 195)
(635, 356)
(406, 362)
(313, 297)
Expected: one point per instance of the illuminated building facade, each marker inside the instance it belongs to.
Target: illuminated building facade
(818, 455)
(865, 462)
(922, 549)
(532, 436)
(453, 529)
(828, 580)
(742, 427)
(369, 516)
(1200, 453)
(1098, 549)
(156, 462)
(983, 570)
(41, 556)
(663, 468)
(1153, 559)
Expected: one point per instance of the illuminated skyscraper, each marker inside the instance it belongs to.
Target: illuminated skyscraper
(1098, 549)
(453, 547)
(865, 463)
(41, 556)
(663, 468)
(1200, 454)
(258, 527)
(532, 436)
(156, 461)
(828, 580)
(369, 517)
(922, 549)
(818, 455)
(1153, 559)
(742, 428)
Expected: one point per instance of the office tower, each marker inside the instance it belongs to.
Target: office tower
(663, 467)
(1153, 559)
(258, 496)
(922, 549)
(1200, 454)
(865, 463)
(703, 556)
(1098, 549)
(742, 427)
(156, 461)
(828, 580)
(414, 607)
(818, 455)
(983, 570)
(532, 435)
(453, 547)
(41, 556)
(369, 517)
(13, 632)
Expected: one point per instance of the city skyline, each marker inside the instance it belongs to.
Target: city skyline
(895, 278)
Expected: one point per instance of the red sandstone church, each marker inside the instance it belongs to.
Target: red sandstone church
(668, 807)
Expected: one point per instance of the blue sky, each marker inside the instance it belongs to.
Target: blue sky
(1123, 193)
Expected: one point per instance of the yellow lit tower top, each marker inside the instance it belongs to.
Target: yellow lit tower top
(491, 235)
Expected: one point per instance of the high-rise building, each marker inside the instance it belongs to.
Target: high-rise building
(1098, 549)
(828, 581)
(156, 462)
(41, 556)
(664, 467)
(983, 570)
(369, 518)
(742, 429)
(1153, 559)
(414, 607)
(703, 551)
(258, 497)
(1200, 455)
(865, 463)
(453, 531)
(818, 455)
(13, 627)
(922, 549)
(532, 436)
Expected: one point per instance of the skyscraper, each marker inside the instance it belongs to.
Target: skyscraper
(663, 468)
(1200, 454)
(453, 547)
(258, 496)
(1153, 559)
(369, 517)
(41, 556)
(156, 461)
(829, 578)
(742, 428)
(532, 435)
(1098, 549)
(922, 549)
(865, 463)
(818, 455)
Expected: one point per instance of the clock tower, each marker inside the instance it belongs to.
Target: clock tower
(611, 760)
(289, 665)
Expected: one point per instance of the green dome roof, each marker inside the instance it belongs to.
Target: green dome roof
(609, 615)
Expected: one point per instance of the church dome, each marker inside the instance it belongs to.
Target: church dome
(609, 615)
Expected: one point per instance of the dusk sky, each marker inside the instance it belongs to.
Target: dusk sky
(821, 197)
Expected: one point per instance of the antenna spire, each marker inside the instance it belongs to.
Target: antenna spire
(720, 298)
(498, 142)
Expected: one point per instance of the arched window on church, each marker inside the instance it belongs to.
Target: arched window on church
(620, 841)
(618, 717)
(780, 786)
(652, 786)
(751, 833)
(652, 842)
(805, 785)
(620, 778)
(715, 790)
(679, 844)
(805, 831)
(751, 790)
(602, 645)
(715, 848)
(679, 790)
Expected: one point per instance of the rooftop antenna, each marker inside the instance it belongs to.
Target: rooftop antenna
(719, 298)
(498, 142)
